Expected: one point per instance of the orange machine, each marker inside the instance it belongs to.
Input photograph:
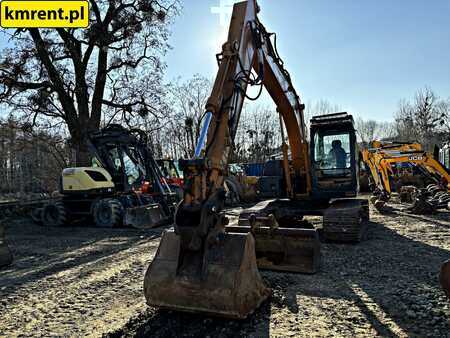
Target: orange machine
(380, 158)
(206, 265)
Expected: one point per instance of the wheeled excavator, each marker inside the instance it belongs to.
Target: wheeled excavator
(124, 187)
(206, 265)
(380, 159)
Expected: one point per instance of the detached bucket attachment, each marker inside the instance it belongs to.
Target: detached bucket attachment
(5, 254)
(146, 216)
(221, 280)
(282, 249)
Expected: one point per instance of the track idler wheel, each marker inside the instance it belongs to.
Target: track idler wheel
(54, 214)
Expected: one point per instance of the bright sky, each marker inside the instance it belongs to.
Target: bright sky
(362, 55)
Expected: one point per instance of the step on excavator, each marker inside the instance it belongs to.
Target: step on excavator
(207, 265)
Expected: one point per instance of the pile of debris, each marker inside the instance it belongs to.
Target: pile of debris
(427, 200)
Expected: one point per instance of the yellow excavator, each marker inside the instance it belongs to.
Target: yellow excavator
(381, 157)
(207, 265)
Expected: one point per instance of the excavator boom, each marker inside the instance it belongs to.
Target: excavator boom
(199, 265)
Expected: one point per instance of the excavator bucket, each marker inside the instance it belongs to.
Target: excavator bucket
(146, 216)
(5, 254)
(223, 279)
(281, 249)
(444, 277)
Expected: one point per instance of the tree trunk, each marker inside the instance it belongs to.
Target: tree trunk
(82, 154)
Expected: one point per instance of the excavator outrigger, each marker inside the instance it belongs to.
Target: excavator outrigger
(207, 265)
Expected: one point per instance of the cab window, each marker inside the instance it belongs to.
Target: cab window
(332, 151)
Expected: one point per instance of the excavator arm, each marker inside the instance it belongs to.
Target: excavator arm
(248, 48)
(199, 266)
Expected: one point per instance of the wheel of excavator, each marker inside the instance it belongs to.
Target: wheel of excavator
(107, 213)
(36, 215)
(54, 214)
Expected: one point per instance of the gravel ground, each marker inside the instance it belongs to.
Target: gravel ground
(88, 282)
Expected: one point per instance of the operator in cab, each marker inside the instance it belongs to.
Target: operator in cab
(337, 155)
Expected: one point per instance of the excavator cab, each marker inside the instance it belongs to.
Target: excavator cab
(334, 179)
(333, 150)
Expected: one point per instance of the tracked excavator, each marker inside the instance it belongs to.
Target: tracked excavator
(380, 159)
(207, 265)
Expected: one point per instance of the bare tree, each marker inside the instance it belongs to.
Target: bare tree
(187, 100)
(319, 107)
(424, 119)
(258, 137)
(30, 161)
(369, 130)
(76, 75)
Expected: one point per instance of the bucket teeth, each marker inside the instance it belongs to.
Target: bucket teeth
(222, 280)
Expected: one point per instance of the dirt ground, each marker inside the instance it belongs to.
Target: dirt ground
(83, 281)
